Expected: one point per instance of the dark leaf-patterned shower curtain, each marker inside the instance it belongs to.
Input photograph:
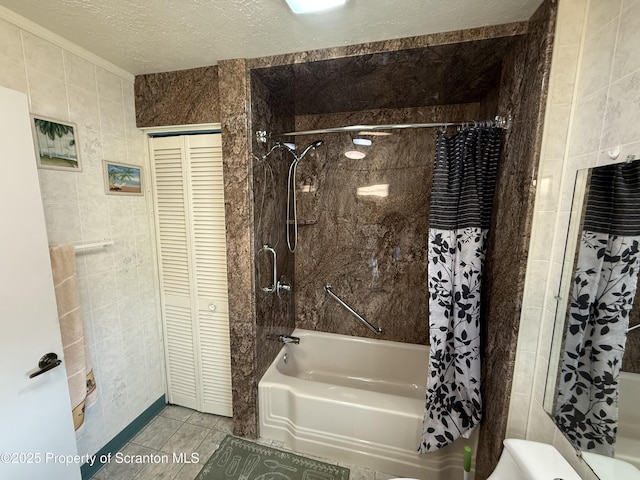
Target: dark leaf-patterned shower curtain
(604, 287)
(462, 197)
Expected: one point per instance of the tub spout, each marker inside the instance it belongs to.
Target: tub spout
(288, 339)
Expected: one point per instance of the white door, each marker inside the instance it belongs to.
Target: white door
(36, 428)
(189, 199)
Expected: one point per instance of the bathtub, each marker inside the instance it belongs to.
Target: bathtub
(356, 400)
(626, 461)
(628, 437)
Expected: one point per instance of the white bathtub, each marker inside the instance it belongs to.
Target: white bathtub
(625, 463)
(356, 400)
(628, 437)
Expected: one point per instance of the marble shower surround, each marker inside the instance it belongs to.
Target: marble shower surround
(447, 74)
(371, 249)
(240, 248)
(275, 313)
(524, 96)
(419, 41)
(182, 97)
(194, 96)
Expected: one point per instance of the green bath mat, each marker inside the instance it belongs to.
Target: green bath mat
(239, 459)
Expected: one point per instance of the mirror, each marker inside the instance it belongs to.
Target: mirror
(594, 369)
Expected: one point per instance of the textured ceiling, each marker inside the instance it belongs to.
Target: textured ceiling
(147, 36)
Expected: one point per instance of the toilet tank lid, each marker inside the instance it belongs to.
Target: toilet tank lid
(539, 460)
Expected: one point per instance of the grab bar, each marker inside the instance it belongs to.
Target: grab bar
(272, 287)
(374, 329)
(276, 286)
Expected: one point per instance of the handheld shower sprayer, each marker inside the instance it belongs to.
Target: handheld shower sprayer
(311, 146)
(291, 148)
(291, 195)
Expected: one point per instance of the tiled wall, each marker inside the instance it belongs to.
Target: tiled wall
(592, 107)
(118, 284)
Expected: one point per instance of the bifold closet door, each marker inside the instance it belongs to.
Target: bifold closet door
(189, 203)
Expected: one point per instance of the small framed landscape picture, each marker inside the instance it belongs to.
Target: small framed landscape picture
(122, 179)
(56, 144)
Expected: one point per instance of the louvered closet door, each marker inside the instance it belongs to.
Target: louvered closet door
(172, 228)
(210, 260)
(192, 249)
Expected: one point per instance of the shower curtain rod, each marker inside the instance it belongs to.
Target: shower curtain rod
(502, 122)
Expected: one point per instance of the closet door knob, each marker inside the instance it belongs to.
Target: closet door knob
(212, 307)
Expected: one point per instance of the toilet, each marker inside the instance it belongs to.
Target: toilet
(527, 460)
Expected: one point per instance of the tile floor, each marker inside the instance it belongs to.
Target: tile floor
(181, 430)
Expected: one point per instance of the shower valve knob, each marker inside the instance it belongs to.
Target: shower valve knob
(282, 287)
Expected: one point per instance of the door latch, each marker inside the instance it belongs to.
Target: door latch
(46, 363)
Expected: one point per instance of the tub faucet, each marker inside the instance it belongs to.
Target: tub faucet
(288, 339)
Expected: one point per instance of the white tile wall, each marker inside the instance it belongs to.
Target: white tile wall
(118, 284)
(626, 58)
(593, 106)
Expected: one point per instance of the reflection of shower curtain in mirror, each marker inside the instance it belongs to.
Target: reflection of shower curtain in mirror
(604, 287)
(461, 204)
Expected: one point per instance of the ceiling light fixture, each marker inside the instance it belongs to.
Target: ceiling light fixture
(381, 190)
(354, 154)
(309, 6)
(375, 134)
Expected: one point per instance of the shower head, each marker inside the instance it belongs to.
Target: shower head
(290, 147)
(311, 146)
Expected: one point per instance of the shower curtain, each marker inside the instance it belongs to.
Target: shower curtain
(604, 287)
(461, 203)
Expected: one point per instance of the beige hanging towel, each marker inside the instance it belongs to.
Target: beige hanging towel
(77, 360)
